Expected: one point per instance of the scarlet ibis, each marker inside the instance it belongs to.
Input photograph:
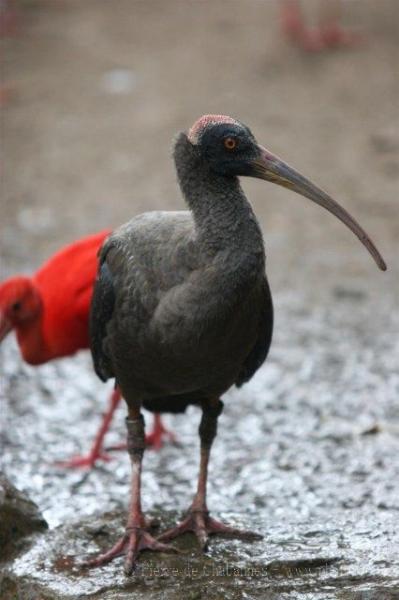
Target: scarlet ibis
(329, 34)
(50, 313)
(182, 310)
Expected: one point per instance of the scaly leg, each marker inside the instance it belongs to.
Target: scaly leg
(136, 537)
(96, 453)
(198, 520)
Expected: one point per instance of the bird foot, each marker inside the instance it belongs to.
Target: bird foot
(134, 541)
(87, 461)
(202, 525)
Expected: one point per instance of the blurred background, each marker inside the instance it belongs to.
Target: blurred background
(96, 91)
(92, 94)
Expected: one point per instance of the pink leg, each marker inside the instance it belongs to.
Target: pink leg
(136, 537)
(96, 453)
(155, 439)
(330, 34)
(198, 520)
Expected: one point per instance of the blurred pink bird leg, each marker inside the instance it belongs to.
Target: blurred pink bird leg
(329, 34)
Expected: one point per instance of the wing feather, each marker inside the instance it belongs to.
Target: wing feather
(102, 308)
(260, 350)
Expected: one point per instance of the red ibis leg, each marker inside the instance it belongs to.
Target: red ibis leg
(329, 35)
(96, 453)
(136, 537)
(155, 439)
(198, 519)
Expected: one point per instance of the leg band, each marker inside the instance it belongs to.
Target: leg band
(135, 436)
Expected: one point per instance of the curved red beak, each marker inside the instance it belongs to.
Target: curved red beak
(5, 326)
(271, 168)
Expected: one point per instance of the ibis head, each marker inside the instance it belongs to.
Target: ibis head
(19, 303)
(231, 149)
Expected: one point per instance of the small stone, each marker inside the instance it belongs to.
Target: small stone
(19, 517)
(373, 430)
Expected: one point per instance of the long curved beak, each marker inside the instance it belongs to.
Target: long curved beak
(271, 168)
(5, 326)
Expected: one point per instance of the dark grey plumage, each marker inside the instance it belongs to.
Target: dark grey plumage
(102, 308)
(193, 312)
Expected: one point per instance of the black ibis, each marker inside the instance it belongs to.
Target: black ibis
(181, 307)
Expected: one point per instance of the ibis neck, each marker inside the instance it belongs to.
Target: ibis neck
(223, 217)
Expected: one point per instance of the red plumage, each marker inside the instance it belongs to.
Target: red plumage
(65, 287)
(49, 312)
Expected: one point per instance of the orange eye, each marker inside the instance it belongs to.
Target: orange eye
(230, 143)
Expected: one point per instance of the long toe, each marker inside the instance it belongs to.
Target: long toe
(84, 462)
(202, 537)
(135, 540)
(141, 540)
(216, 527)
(106, 557)
(202, 525)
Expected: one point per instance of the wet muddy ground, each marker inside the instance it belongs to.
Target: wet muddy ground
(307, 452)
